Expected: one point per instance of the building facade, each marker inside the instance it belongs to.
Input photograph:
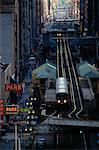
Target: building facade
(37, 21)
(24, 36)
(89, 16)
(5, 74)
(7, 33)
(45, 9)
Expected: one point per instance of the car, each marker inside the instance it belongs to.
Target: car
(41, 142)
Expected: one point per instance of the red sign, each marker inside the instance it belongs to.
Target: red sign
(13, 86)
(12, 109)
(1, 107)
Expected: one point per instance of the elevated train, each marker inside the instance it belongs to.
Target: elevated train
(62, 92)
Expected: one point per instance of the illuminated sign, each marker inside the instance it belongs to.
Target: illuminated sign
(1, 107)
(12, 109)
(13, 86)
(24, 110)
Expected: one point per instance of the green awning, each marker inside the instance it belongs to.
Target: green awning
(47, 70)
(87, 70)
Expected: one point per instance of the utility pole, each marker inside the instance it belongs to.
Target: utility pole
(57, 140)
(19, 145)
(97, 53)
(16, 142)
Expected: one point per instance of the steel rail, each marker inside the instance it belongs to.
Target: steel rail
(78, 90)
(71, 81)
(57, 59)
(61, 53)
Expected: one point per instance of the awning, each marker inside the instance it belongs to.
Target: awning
(47, 70)
(87, 70)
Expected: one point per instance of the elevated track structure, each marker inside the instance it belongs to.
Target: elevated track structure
(65, 68)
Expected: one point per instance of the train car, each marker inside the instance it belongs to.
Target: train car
(62, 95)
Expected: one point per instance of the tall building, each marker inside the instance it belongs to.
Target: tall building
(7, 46)
(37, 20)
(24, 36)
(89, 16)
(7, 32)
(45, 9)
(96, 16)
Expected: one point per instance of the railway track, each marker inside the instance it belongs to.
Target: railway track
(65, 68)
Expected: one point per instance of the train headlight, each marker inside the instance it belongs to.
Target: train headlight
(65, 101)
(59, 101)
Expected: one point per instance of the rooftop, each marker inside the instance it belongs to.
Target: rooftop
(87, 70)
(47, 70)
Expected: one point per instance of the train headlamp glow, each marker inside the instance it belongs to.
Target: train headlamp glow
(59, 101)
(65, 101)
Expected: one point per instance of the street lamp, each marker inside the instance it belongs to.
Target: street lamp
(27, 103)
(32, 117)
(33, 111)
(28, 117)
(27, 122)
(31, 99)
(30, 103)
(26, 129)
(34, 98)
(29, 112)
(30, 129)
